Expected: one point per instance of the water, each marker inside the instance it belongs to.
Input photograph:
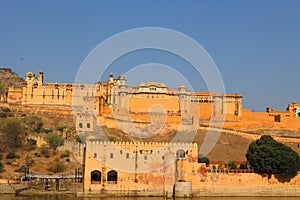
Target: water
(71, 197)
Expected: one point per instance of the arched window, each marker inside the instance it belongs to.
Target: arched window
(112, 177)
(180, 153)
(88, 125)
(80, 125)
(95, 176)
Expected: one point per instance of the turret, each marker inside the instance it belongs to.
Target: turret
(41, 76)
(122, 83)
(111, 77)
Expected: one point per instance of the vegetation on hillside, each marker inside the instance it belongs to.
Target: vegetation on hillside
(267, 156)
(55, 141)
(17, 152)
(13, 134)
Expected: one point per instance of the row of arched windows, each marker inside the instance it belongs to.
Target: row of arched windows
(88, 125)
(112, 177)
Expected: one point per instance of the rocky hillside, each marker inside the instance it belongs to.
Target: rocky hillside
(8, 79)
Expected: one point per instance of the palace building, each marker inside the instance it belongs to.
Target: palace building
(90, 103)
(116, 95)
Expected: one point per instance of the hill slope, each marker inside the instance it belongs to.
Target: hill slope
(8, 79)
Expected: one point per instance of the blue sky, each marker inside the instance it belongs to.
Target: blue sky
(255, 44)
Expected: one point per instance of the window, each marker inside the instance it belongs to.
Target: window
(127, 155)
(112, 177)
(95, 176)
(145, 157)
(88, 125)
(95, 155)
(163, 157)
(80, 125)
(121, 151)
(111, 155)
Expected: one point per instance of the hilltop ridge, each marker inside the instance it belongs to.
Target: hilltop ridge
(9, 78)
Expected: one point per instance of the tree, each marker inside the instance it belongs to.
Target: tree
(268, 156)
(13, 133)
(55, 141)
(231, 165)
(61, 128)
(202, 159)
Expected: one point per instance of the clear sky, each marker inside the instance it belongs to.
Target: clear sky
(255, 44)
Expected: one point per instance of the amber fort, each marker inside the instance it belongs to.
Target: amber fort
(115, 96)
(152, 168)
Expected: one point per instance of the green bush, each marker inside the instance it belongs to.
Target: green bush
(221, 166)
(12, 155)
(45, 152)
(36, 154)
(55, 141)
(65, 154)
(61, 128)
(231, 165)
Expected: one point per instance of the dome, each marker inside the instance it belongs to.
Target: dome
(121, 77)
(30, 74)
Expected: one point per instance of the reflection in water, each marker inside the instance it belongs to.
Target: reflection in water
(71, 197)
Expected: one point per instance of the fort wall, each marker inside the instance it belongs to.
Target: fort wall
(105, 175)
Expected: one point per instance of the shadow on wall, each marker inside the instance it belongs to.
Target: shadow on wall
(280, 178)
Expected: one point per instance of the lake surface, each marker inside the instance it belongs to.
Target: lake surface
(71, 197)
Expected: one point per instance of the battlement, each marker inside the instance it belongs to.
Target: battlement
(152, 144)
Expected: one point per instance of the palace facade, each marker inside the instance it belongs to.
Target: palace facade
(116, 95)
(113, 98)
